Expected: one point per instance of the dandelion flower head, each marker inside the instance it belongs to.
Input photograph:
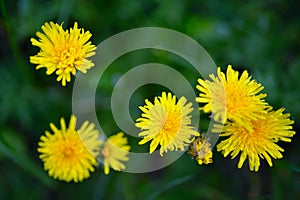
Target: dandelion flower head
(232, 97)
(114, 152)
(261, 143)
(63, 51)
(69, 154)
(166, 123)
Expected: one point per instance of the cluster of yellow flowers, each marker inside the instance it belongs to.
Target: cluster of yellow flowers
(237, 107)
(239, 111)
(70, 154)
(240, 114)
(250, 124)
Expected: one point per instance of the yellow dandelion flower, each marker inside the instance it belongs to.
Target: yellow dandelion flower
(166, 123)
(63, 52)
(114, 152)
(232, 97)
(261, 143)
(70, 154)
(200, 149)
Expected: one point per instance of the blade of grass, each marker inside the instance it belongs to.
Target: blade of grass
(27, 74)
(172, 184)
(294, 168)
(65, 11)
(101, 186)
(24, 162)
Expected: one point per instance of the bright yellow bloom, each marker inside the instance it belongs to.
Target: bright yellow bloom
(200, 149)
(115, 150)
(63, 52)
(232, 97)
(70, 154)
(261, 143)
(166, 123)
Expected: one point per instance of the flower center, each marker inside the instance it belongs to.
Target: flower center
(171, 125)
(67, 58)
(233, 97)
(105, 151)
(68, 152)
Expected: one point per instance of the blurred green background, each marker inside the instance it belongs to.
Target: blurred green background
(262, 37)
